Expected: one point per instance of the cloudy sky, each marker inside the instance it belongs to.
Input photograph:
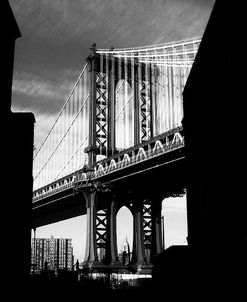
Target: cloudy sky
(57, 34)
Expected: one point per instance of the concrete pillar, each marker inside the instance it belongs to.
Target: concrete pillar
(91, 256)
(138, 256)
(113, 234)
(112, 262)
(142, 229)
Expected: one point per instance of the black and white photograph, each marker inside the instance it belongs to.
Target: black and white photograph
(124, 154)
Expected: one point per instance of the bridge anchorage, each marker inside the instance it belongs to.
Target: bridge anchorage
(118, 140)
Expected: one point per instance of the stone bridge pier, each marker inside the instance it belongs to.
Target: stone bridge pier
(103, 204)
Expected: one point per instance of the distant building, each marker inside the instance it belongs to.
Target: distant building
(101, 250)
(125, 255)
(52, 253)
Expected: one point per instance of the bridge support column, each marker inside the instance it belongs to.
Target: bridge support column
(101, 242)
(112, 242)
(91, 256)
(138, 261)
(147, 234)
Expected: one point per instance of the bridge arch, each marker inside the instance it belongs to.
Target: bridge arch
(125, 231)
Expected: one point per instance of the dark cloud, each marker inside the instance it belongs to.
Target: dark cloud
(58, 33)
(43, 93)
(65, 26)
(58, 30)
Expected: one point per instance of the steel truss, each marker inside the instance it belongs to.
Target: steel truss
(101, 233)
(145, 111)
(101, 112)
(147, 228)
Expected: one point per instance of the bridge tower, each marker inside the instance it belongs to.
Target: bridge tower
(106, 72)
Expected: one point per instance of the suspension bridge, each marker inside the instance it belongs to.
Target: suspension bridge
(118, 140)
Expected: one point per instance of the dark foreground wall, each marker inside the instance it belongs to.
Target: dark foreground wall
(214, 123)
(16, 170)
(17, 201)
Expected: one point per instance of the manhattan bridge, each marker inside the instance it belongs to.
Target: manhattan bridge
(117, 141)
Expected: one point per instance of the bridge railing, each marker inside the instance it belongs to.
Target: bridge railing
(54, 188)
(164, 143)
(161, 144)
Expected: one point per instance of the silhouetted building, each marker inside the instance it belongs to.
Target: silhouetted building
(56, 252)
(214, 262)
(11, 33)
(214, 124)
(17, 147)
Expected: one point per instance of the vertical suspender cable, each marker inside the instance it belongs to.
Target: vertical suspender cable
(107, 100)
(70, 131)
(180, 92)
(170, 90)
(67, 135)
(53, 159)
(160, 98)
(126, 100)
(84, 112)
(74, 129)
(79, 137)
(76, 136)
(62, 144)
(57, 155)
(175, 88)
(119, 105)
(64, 140)
(155, 71)
(139, 87)
(132, 76)
(165, 95)
(47, 175)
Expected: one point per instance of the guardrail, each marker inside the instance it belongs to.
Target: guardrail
(156, 146)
